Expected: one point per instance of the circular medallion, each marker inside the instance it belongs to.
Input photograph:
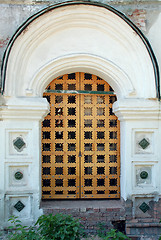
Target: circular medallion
(143, 174)
(18, 175)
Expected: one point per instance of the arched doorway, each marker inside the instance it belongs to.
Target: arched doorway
(98, 40)
(80, 139)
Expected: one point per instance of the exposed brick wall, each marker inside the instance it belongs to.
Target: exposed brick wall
(4, 42)
(146, 226)
(91, 217)
(138, 17)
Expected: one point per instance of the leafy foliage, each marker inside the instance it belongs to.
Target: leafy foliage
(59, 227)
(102, 229)
(113, 234)
(20, 232)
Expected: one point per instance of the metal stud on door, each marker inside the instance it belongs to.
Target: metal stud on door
(80, 139)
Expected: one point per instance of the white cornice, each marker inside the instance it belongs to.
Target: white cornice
(137, 109)
(24, 109)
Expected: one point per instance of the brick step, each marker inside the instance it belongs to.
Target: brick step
(148, 229)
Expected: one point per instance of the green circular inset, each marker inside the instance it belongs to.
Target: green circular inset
(18, 175)
(144, 174)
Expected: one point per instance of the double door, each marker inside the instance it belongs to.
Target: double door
(80, 139)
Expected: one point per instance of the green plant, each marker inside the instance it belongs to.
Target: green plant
(102, 229)
(115, 235)
(20, 232)
(59, 227)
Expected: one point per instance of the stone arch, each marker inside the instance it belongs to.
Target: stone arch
(70, 30)
(83, 62)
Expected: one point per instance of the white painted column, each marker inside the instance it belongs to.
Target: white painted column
(140, 148)
(20, 178)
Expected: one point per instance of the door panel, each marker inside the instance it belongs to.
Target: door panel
(80, 139)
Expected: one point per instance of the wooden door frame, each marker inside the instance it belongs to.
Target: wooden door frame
(101, 96)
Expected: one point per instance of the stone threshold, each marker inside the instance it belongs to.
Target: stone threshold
(81, 204)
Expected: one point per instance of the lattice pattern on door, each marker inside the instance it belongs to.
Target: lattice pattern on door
(80, 139)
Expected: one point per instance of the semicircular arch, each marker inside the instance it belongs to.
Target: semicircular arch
(72, 38)
(74, 63)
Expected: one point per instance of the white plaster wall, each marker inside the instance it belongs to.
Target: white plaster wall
(21, 120)
(139, 119)
(70, 40)
(154, 36)
(75, 30)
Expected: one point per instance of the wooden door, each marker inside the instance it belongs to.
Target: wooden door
(80, 139)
